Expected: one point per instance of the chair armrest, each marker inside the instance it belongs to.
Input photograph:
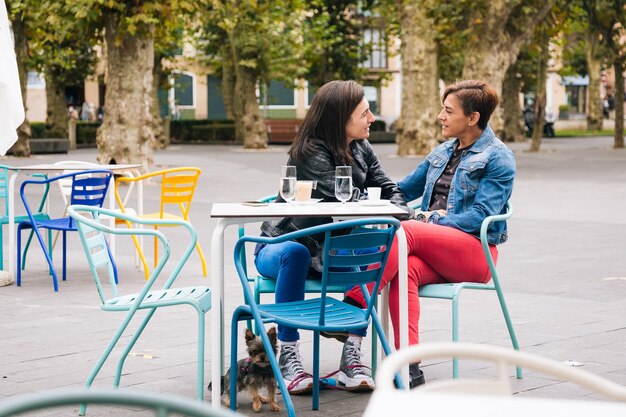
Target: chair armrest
(495, 218)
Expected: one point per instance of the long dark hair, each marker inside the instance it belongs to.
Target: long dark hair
(327, 119)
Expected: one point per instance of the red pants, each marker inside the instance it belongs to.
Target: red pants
(436, 254)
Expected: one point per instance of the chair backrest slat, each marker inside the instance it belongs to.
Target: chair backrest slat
(4, 185)
(99, 257)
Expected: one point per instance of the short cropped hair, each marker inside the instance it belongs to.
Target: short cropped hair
(475, 96)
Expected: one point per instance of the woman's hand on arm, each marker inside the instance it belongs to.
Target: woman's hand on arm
(426, 216)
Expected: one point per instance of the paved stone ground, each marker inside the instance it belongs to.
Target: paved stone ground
(563, 273)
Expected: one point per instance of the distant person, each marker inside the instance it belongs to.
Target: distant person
(84, 112)
(91, 112)
(529, 119)
(605, 107)
(548, 126)
(611, 99)
(72, 113)
(100, 113)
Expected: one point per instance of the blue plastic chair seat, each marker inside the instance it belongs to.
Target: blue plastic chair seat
(306, 314)
(199, 297)
(448, 291)
(54, 224)
(264, 285)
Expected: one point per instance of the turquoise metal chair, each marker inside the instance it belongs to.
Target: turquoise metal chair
(452, 291)
(92, 234)
(40, 214)
(161, 405)
(265, 285)
(345, 264)
(88, 187)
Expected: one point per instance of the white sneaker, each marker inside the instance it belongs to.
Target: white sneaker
(297, 380)
(352, 373)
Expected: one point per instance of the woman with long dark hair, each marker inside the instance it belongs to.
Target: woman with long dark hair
(334, 133)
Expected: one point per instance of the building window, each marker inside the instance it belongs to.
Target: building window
(371, 94)
(376, 49)
(35, 81)
(279, 95)
(183, 89)
(311, 90)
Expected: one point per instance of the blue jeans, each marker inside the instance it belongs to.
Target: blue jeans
(287, 263)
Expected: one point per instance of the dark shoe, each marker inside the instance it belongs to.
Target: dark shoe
(340, 336)
(416, 375)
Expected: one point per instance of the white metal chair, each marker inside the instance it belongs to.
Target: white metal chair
(386, 394)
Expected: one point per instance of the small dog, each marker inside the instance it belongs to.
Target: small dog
(255, 372)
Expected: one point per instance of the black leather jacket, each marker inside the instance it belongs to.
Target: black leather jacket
(320, 167)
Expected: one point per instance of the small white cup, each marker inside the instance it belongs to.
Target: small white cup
(373, 193)
(304, 190)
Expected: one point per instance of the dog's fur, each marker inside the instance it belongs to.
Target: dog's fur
(255, 372)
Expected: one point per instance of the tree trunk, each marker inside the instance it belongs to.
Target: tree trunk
(162, 140)
(417, 127)
(249, 123)
(56, 112)
(619, 103)
(539, 115)
(495, 44)
(513, 129)
(594, 67)
(228, 88)
(22, 146)
(126, 135)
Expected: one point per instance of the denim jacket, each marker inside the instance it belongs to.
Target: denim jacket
(481, 186)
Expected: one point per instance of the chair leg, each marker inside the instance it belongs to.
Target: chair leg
(27, 246)
(105, 355)
(316, 371)
(455, 334)
(234, 332)
(129, 346)
(45, 252)
(64, 255)
(2, 247)
(156, 250)
(374, 360)
(146, 270)
(378, 329)
(509, 325)
(202, 258)
(201, 333)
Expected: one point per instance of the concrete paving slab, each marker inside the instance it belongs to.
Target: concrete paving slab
(563, 273)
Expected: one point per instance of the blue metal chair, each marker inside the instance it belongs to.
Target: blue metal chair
(88, 187)
(160, 404)
(345, 264)
(265, 285)
(92, 234)
(452, 291)
(4, 218)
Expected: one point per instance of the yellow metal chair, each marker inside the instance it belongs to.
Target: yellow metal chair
(178, 186)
